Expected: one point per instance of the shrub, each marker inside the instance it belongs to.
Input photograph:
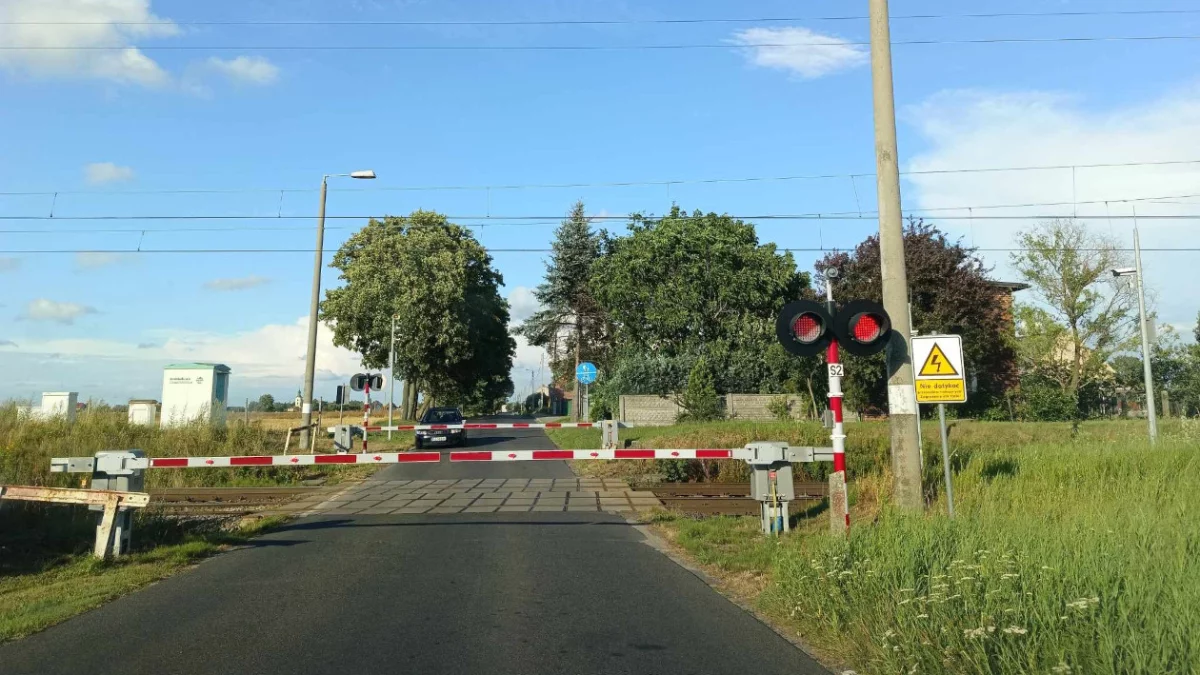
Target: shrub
(700, 401)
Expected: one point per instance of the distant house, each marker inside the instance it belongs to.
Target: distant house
(1004, 294)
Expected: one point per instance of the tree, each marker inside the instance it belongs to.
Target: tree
(685, 283)
(688, 286)
(1070, 270)
(950, 292)
(700, 401)
(567, 301)
(451, 322)
(266, 403)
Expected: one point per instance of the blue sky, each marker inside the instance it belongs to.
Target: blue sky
(252, 116)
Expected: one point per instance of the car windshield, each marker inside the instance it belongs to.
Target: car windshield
(442, 417)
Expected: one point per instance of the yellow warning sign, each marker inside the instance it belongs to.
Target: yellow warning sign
(941, 391)
(937, 364)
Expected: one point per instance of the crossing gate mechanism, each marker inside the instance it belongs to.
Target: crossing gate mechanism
(770, 464)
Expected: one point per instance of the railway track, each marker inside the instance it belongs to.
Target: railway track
(221, 501)
(727, 499)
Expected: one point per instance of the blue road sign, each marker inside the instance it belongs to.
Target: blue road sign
(586, 373)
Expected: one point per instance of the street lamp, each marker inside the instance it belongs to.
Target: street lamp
(1136, 273)
(310, 361)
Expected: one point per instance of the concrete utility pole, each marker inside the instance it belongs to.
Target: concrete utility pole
(310, 360)
(1147, 371)
(902, 396)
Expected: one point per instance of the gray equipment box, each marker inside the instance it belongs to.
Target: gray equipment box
(760, 484)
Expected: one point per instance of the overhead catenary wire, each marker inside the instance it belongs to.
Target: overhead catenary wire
(329, 253)
(607, 22)
(608, 184)
(589, 48)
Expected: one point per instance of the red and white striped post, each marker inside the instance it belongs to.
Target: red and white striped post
(366, 413)
(839, 501)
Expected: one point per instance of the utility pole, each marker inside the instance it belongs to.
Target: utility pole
(902, 396)
(1147, 372)
(310, 360)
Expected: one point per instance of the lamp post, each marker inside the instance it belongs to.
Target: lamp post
(1147, 372)
(310, 360)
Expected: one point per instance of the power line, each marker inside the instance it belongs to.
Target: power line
(604, 184)
(610, 22)
(310, 251)
(488, 220)
(590, 48)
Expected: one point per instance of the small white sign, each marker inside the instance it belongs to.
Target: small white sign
(939, 369)
(837, 370)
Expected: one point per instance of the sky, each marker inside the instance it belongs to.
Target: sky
(160, 160)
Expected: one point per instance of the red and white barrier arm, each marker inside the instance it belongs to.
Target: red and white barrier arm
(538, 455)
(512, 425)
(264, 460)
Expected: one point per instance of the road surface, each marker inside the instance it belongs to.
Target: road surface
(494, 593)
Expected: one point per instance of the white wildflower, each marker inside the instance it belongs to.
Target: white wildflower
(907, 590)
(1015, 630)
(1061, 668)
(1009, 576)
(845, 573)
(966, 579)
(922, 616)
(972, 633)
(953, 597)
(889, 634)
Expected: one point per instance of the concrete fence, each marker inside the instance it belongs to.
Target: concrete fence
(651, 410)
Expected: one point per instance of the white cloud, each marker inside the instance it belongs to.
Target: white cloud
(521, 304)
(986, 129)
(246, 69)
(9, 263)
(528, 360)
(98, 173)
(804, 52)
(236, 284)
(70, 31)
(90, 260)
(58, 312)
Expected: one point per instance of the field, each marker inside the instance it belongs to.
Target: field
(1068, 555)
(46, 573)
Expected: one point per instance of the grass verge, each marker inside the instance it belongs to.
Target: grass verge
(78, 583)
(1066, 557)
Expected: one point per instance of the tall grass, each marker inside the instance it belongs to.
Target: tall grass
(1067, 556)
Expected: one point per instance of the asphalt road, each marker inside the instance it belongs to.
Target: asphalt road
(524, 593)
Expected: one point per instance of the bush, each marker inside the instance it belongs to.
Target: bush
(700, 401)
(781, 408)
(1047, 404)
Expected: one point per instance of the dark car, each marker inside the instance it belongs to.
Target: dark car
(440, 416)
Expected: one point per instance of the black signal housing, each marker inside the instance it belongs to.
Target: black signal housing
(862, 327)
(804, 327)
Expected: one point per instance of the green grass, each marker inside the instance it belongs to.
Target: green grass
(1067, 555)
(32, 602)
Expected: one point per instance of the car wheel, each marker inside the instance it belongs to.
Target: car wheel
(418, 444)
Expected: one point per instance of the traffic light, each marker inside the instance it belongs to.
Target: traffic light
(862, 327)
(805, 328)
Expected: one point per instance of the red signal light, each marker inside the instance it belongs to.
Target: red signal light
(866, 328)
(807, 328)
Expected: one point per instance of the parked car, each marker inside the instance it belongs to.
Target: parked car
(433, 437)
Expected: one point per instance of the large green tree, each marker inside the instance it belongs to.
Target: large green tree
(438, 281)
(570, 326)
(951, 292)
(1070, 270)
(687, 286)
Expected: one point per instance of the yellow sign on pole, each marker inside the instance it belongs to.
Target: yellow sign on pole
(940, 378)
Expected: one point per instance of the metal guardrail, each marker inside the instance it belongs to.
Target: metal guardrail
(111, 500)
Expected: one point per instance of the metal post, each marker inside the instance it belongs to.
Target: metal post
(310, 361)
(392, 376)
(902, 397)
(246, 412)
(839, 500)
(913, 332)
(1151, 417)
(946, 460)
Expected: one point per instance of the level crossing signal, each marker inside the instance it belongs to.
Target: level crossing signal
(805, 327)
